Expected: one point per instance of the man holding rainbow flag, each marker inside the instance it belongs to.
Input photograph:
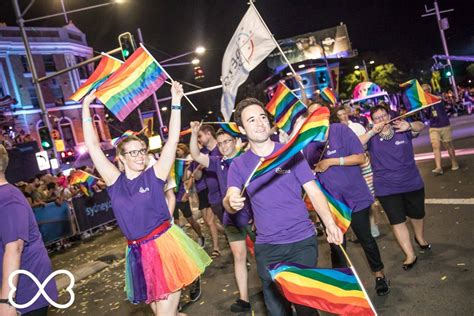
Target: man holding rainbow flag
(285, 233)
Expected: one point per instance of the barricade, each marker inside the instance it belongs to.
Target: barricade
(93, 212)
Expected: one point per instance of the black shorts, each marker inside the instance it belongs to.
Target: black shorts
(402, 205)
(218, 210)
(184, 208)
(203, 199)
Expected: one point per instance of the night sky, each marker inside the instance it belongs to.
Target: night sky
(393, 30)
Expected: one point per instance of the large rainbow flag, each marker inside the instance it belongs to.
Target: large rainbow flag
(285, 108)
(313, 129)
(415, 98)
(341, 213)
(106, 67)
(335, 291)
(177, 172)
(133, 82)
(329, 95)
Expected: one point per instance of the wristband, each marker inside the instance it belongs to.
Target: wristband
(371, 133)
(176, 107)
(5, 301)
(341, 161)
(87, 119)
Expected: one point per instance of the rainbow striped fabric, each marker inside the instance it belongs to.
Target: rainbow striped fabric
(133, 82)
(85, 181)
(313, 129)
(335, 291)
(177, 172)
(106, 67)
(415, 98)
(329, 95)
(285, 108)
(230, 128)
(341, 213)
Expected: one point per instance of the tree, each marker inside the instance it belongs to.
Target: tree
(387, 76)
(349, 82)
(470, 70)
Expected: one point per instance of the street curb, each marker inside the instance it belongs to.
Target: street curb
(80, 273)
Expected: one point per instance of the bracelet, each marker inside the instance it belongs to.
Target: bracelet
(370, 133)
(341, 161)
(87, 119)
(5, 301)
(176, 106)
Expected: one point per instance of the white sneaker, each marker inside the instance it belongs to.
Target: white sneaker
(374, 230)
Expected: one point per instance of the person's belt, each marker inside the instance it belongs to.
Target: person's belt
(160, 229)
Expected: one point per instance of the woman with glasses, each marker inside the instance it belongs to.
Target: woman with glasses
(397, 181)
(160, 259)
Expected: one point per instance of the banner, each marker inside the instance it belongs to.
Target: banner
(334, 40)
(53, 221)
(93, 212)
(248, 47)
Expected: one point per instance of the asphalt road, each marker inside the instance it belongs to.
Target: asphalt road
(440, 284)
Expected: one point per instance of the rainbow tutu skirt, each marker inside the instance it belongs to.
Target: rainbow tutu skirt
(162, 264)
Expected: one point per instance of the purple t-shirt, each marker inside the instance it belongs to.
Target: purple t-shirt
(221, 168)
(214, 194)
(393, 164)
(362, 120)
(438, 116)
(201, 183)
(342, 182)
(139, 204)
(279, 212)
(17, 221)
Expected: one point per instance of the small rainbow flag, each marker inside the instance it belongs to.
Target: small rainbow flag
(230, 128)
(335, 291)
(133, 82)
(177, 172)
(80, 176)
(415, 98)
(329, 95)
(285, 108)
(341, 213)
(313, 129)
(106, 67)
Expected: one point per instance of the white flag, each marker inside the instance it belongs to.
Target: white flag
(248, 47)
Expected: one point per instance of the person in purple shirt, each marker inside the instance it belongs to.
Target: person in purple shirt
(397, 181)
(284, 231)
(207, 139)
(338, 171)
(160, 258)
(358, 118)
(440, 132)
(236, 226)
(21, 247)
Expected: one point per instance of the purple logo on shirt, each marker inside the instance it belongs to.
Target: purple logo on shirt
(282, 171)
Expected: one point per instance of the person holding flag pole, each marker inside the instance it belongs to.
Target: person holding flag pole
(284, 230)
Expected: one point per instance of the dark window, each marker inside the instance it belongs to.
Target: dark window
(24, 62)
(68, 136)
(49, 65)
(75, 37)
(33, 97)
(98, 130)
(57, 93)
(83, 71)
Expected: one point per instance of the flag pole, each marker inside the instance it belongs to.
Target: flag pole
(412, 112)
(351, 266)
(250, 176)
(273, 38)
(167, 74)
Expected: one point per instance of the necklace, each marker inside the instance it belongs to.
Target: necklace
(388, 136)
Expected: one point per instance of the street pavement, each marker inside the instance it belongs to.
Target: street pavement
(439, 284)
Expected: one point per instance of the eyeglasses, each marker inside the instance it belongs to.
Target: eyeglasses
(224, 143)
(380, 118)
(135, 153)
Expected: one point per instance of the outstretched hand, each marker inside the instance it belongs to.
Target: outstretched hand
(401, 126)
(89, 98)
(195, 126)
(176, 93)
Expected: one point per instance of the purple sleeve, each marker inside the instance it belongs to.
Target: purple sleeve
(302, 170)
(352, 142)
(15, 224)
(214, 163)
(234, 178)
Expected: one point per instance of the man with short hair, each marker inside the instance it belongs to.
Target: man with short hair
(284, 231)
(21, 247)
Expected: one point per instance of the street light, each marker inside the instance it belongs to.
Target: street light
(164, 109)
(356, 67)
(195, 61)
(199, 50)
(371, 62)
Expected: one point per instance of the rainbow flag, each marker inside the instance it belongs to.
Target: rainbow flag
(341, 213)
(329, 95)
(335, 291)
(133, 82)
(177, 172)
(313, 129)
(285, 108)
(415, 98)
(80, 176)
(230, 128)
(106, 67)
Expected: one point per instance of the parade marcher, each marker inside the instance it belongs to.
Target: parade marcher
(21, 247)
(397, 181)
(337, 165)
(160, 259)
(236, 226)
(284, 231)
(440, 133)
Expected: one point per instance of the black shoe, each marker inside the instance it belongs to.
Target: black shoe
(240, 306)
(382, 286)
(195, 290)
(408, 266)
(424, 247)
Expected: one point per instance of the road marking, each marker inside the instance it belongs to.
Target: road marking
(469, 201)
(444, 154)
